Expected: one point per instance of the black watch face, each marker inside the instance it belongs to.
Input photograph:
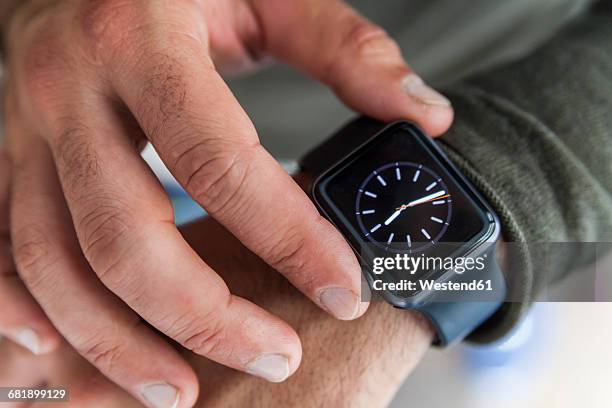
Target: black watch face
(403, 207)
(399, 194)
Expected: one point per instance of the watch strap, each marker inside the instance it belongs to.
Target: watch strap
(348, 138)
(455, 320)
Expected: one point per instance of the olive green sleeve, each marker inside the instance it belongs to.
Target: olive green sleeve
(536, 137)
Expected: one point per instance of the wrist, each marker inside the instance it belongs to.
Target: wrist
(372, 355)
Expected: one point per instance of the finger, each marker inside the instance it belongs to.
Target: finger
(20, 368)
(63, 368)
(210, 145)
(124, 223)
(356, 58)
(86, 385)
(95, 322)
(21, 319)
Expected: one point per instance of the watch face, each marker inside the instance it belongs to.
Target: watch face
(403, 207)
(398, 194)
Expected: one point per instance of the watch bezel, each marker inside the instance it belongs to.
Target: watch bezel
(478, 246)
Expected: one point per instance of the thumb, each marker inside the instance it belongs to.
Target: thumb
(356, 58)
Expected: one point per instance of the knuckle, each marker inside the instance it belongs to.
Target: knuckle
(103, 232)
(204, 335)
(102, 227)
(102, 352)
(360, 42)
(215, 172)
(363, 38)
(34, 256)
(106, 24)
(290, 254)
(206, 340)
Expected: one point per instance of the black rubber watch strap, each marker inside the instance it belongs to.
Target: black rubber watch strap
(339, 145)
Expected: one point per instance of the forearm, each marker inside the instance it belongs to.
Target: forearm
(358, 363)
(535, 137)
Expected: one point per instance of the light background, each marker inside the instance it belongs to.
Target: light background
(560, 357)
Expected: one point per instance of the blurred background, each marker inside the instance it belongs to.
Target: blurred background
(559, 357)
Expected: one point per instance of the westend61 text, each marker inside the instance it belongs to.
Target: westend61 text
(430, 285)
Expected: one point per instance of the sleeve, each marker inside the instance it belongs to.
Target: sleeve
(536, 137)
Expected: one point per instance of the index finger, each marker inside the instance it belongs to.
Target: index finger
(209, 144)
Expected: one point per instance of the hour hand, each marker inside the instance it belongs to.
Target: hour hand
(393, 216)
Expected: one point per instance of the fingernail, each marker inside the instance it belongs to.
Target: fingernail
(340, 302)
(272, 367)
(161, 395)
(414, 86)
(29, 339)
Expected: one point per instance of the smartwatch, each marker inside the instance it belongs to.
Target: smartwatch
(393, 194)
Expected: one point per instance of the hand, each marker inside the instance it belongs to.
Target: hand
(360, 363)
(21, 318)
(49, 361)
(91, 228)
(64, 368)
(332, 371)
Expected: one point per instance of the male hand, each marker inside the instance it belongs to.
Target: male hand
(390, 343)
(91, 228)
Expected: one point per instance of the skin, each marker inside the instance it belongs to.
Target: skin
(390, 343)
(92, 233)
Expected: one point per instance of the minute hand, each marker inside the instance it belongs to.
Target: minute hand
(426, 198)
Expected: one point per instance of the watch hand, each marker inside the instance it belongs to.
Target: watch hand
(426, 198)
(422, 200)
(394, 216)
(435, 196)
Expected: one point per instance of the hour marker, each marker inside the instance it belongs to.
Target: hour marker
(437, 220)
(370, 194)
(382, 180)
(432, 185)
(376, 227)
(416, 176)
(390, 238)
(409, 241)
(425, 233)
(368, 212)
(398, 175)
(439, 202)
